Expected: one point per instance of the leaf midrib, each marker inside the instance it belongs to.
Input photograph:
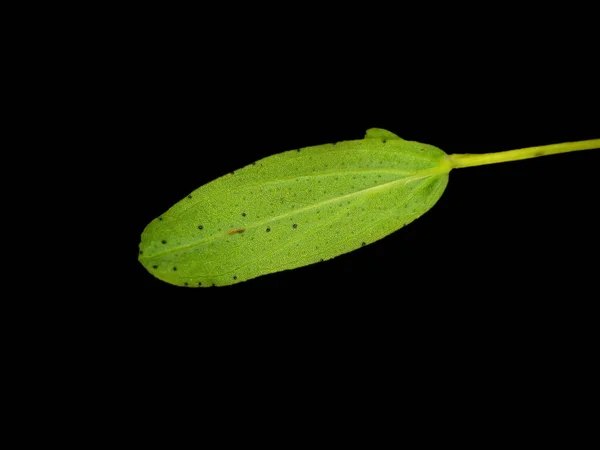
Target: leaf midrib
(414, 177)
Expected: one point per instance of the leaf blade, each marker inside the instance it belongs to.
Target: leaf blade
(295, 208)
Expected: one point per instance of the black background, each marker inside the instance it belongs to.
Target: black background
(490, 294)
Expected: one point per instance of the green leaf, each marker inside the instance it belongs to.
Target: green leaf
(307, 205)
(293, 209)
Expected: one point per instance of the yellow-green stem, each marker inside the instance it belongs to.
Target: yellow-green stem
(468, 160)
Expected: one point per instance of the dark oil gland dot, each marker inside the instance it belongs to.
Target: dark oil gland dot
(175, 269)
(155, 267)
(200, 227)
(189, 196)
(384, 141)
(185, 284)
(164, 242)
(160, 218)
(298, 150)
(295, 225)
(199, 283)
(141, 252)
(268, 229)
(234, 277)
(321, 260)
(243, 214)
(213, 285)
(363, 244)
